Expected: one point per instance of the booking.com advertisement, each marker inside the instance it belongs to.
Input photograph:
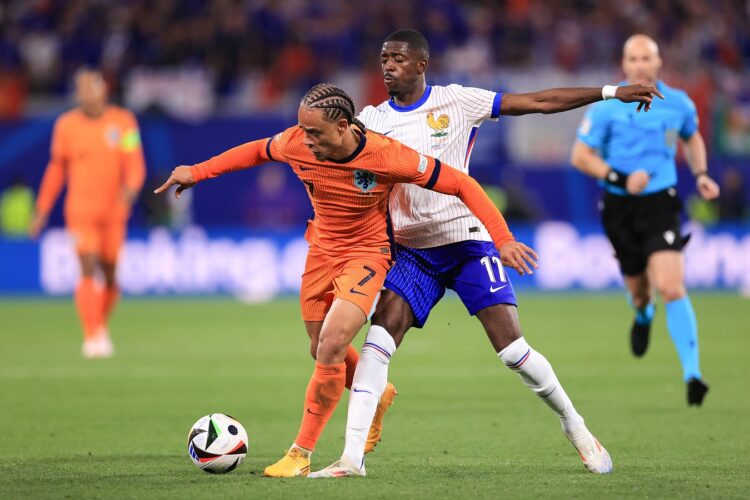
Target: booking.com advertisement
(256, 267)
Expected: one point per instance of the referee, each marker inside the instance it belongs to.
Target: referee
(633, 154)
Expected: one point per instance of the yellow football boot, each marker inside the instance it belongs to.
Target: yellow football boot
(376, 429)
(293, 464)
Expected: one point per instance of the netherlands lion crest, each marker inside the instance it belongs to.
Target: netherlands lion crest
(365, 180)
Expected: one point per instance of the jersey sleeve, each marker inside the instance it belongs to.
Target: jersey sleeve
(478, 105)
(689, 120)
(408, 166)
(593, 128)
(130, 145)
(278, 145)
(405, 165)
(54, 176)
(248, 155)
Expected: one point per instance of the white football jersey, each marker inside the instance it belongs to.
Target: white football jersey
(443, 124)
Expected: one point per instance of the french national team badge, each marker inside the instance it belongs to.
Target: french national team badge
(365, 180)
(439, 125)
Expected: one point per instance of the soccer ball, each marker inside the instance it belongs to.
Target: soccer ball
(217, 443)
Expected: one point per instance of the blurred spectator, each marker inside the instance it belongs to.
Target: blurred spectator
(16, 208)
(275, 204)
(703, 211)
(156, 208)
(733, 199)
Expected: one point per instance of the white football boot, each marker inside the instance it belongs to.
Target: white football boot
(90, 348)
(340, 468)
(595, 457)
(99, 347)
(106, 348)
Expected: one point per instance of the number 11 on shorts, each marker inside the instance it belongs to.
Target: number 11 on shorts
(487, 263)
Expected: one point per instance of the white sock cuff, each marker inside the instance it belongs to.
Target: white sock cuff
(379, 339)
(516, 353)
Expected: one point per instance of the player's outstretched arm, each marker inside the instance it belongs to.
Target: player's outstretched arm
(512, 253)
(565, 99)
(248, 155)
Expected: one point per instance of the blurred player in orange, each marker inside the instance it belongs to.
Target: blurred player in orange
(349, 175)
(96, 150)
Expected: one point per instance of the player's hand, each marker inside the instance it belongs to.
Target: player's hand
(707, 187)
(518, 256)
(38, 223)
(637, 182)
(182, 177)
(642, 94)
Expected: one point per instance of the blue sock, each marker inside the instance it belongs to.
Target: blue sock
(645, 315)
(684, 332)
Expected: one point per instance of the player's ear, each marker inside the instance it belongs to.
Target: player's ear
(422, 65)
(342, 125)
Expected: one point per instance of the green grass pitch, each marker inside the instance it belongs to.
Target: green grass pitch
(463, 425)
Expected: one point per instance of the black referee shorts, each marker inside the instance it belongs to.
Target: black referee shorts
(638, 226)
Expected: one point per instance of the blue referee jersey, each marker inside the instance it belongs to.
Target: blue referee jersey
(630, 141)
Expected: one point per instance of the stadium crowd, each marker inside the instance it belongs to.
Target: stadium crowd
(295, 42)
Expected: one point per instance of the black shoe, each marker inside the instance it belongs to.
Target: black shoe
(697, 390)
(639, 335)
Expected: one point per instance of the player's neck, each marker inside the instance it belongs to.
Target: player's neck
(409, 98)
(348, 146)
(94, 112)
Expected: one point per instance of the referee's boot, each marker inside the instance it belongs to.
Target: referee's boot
(640, 333)
(696, 391)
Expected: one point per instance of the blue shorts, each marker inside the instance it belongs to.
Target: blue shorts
(471, 268)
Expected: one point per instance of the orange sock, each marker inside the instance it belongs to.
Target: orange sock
(111, 294)
(323, 393)
(351, 360)
(88, 299)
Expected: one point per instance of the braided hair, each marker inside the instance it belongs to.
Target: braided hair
(334, 102)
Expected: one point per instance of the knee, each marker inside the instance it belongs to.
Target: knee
(88, 264)
(331, 346)
(109, 271)
(504, 339)
(88, 269)
(669, 292)
(110, 280)
(87, 272)
(393, 321)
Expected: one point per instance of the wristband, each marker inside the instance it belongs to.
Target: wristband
(615, 178)
(608, 92)
(700, 174)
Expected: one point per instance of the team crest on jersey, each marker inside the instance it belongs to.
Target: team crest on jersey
(365, 180)
(439, 125)
(112, 136)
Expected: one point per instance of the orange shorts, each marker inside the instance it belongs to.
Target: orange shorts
(102, 238)
(357, 279)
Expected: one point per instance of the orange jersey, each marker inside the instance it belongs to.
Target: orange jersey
(350, 196)
(98, 158)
